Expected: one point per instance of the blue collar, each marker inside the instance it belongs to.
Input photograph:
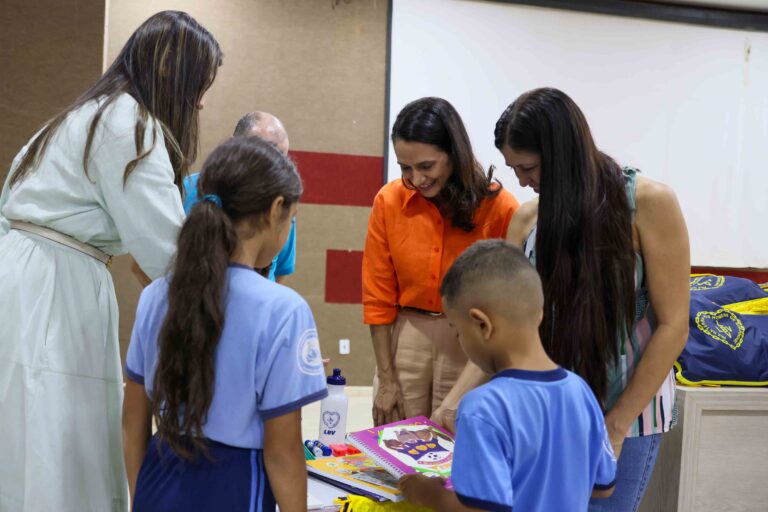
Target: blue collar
(541, 376)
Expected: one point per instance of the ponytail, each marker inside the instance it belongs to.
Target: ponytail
(240, 180)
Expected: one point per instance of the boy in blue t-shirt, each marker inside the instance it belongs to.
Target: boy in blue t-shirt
(534, 437)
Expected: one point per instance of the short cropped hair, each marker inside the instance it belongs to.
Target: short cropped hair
(246, 124)
(497, 268)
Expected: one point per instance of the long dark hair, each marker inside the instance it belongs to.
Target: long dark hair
(434, 121)
(584, 250)
(166, 66)
(247, 174)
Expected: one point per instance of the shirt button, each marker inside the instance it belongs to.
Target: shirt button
(433, 276)
(429, 302)
(437, 250)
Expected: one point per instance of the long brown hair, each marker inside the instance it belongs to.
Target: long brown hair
(246, 174)
(434, 121)
(166, 66)
(584, 250)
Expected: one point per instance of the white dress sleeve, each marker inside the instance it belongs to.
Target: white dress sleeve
(4, 224)
(146, 209)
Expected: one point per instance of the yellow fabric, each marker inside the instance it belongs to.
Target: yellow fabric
(361, 504)
(712, 383)
(750, 307)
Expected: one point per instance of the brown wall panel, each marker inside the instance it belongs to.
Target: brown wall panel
(50, 52)
(333, 227)
(321, 68)
(318, 66)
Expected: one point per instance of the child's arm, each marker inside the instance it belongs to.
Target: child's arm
(431, 493)
(284, 461)
(137, 429)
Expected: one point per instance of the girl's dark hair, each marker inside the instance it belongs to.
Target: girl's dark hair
(584, 250)
(166, 66)
(247, 174)
(434, 121)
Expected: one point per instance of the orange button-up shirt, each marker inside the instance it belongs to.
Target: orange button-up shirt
(410, 247)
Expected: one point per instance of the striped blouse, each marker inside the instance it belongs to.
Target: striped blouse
(660, 415)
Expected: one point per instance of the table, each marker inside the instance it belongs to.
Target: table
(717, 457)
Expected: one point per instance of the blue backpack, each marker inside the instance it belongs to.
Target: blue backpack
(727, 344)
(725, 289)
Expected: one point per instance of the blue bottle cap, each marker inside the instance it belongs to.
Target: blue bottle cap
(336, 379)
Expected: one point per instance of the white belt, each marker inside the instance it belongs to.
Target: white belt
(63, 239)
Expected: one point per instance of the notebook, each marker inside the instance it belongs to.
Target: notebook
(356, 473)
(415, 445)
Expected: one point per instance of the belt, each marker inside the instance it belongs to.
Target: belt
(421, 311)
(63, 239)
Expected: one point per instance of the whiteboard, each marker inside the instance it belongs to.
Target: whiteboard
(688, 105)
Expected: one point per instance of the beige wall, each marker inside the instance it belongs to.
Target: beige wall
(321, 68)
(50, 51)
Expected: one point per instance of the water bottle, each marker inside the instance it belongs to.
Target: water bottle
(333, 411)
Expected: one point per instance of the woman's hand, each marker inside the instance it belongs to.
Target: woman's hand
(470, 378)
(388, 402)
(143, 279)
(445, 417)
(617, 431)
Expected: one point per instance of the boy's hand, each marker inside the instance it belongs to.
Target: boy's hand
(421, 490)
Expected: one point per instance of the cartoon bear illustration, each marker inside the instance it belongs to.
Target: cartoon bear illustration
(423, 446)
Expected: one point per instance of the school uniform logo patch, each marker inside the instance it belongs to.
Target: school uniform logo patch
(308, 353)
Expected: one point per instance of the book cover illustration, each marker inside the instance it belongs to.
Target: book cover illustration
(357, 471)
(414, 445)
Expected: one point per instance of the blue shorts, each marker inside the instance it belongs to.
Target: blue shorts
(232, 479)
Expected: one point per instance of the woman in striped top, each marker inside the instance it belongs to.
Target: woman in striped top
(612, 251)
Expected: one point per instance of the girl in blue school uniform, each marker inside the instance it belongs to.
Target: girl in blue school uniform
(222, 358)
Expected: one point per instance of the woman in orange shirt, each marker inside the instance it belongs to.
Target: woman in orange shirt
(444, 202)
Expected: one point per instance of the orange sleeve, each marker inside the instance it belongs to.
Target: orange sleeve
(379, 279)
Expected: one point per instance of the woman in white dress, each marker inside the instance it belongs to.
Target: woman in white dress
(101, 178)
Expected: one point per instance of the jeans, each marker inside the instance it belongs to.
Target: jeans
(635, 466)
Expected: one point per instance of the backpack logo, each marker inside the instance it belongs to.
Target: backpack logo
(723, 326)
(701, 283)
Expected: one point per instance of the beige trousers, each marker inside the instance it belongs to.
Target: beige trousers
(428, 360)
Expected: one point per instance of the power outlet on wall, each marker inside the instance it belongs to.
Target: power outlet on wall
(344, 347)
